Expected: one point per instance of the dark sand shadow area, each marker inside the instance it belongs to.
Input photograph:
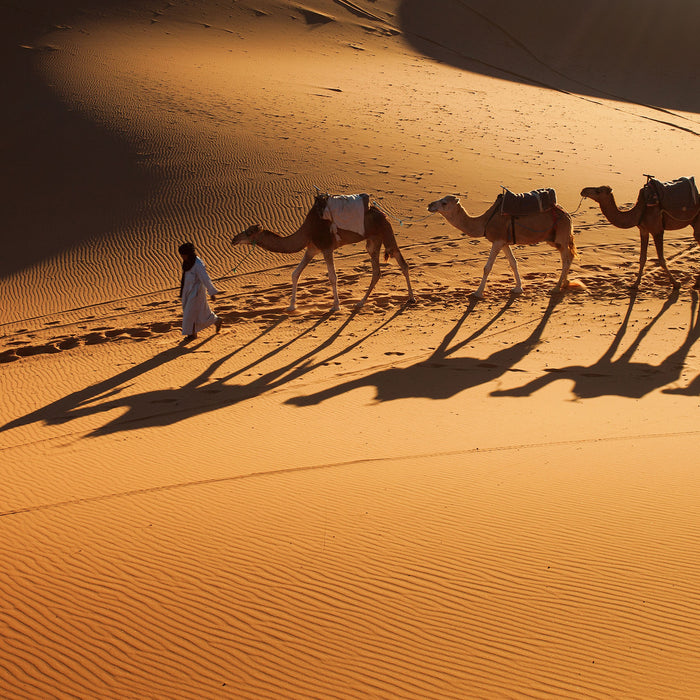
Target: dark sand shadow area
(67, 179)
(637, 51)
(201, 394)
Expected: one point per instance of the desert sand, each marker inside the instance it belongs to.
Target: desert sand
(457, 498)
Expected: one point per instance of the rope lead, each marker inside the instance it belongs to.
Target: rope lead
(242, 260)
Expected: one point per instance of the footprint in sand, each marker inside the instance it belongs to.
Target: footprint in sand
(161, 326)
(95, 339)
(30, 350)
(138, 332)
(68, 343)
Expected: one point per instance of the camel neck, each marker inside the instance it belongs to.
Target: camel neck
(473, 226)
(627, 218)
(275, 243)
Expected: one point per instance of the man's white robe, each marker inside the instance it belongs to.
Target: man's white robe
(196, 314)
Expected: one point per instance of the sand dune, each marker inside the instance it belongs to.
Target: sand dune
(452, 499)
(630, 52)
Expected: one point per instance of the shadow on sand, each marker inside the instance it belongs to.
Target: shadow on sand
(622, 376)
(200, 395)
(72, 180)
(441, 376)
(637, 51)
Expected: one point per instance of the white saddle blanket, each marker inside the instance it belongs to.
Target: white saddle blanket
(346, 211)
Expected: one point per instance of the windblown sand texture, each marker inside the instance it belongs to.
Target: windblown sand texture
(453, 499)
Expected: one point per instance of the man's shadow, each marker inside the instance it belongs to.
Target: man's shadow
(441, 376)
(621, 376)
(201, 394)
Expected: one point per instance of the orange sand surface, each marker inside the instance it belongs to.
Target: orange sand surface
(456, 498)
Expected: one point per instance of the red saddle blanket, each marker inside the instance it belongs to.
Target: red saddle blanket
(677, 195)
(526, 203)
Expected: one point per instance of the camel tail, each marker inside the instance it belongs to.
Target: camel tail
(391, 247)
(571, 244)
(573, 250)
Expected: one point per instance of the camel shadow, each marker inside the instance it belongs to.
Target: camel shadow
(205, 392)
(96, 397)
(632, 51)
(441, 376)
(693, 389)
(621, 376)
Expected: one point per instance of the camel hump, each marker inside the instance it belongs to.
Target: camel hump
(534, 202)
(676, 195)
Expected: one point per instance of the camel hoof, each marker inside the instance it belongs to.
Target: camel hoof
(290, 309)
(517, 290)
(476, 295)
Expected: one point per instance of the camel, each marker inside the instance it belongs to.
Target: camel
(315, 236)
(650, 220)
(553, 227)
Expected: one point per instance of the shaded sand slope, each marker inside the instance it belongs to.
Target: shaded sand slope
(68, 179)
(631, 51)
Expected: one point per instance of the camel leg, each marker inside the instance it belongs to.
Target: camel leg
(495, 250)
(404, 268)
(565, 266)
(644, 244)
(659, 245)
(332, 277)
(518, 289)
(308, 257)
(373, 249)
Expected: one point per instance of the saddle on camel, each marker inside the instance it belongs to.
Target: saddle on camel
(676, 195)
(525, 204)
(346, 211)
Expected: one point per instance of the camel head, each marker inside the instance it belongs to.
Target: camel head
(597, 194)
(444, 206)
(248, 236)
